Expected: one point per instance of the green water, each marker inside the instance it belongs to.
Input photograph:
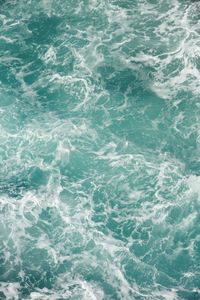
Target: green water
(99, 149)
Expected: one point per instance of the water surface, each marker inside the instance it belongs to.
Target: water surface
(99, 149)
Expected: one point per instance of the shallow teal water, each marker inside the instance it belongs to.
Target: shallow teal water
(99, 149)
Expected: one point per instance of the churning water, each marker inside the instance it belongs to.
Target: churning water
(100, 149)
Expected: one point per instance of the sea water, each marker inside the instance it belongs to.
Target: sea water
(99, 149)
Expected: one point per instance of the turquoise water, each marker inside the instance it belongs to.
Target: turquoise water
(99, 149)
